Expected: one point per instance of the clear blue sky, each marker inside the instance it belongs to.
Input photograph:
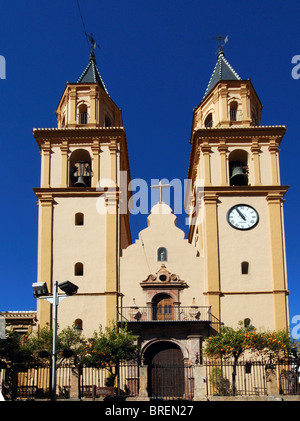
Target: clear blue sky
(156, 58)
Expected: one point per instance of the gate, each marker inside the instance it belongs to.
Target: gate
(168, 376)
(169, 382)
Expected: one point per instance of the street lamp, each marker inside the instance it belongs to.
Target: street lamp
(40, 290)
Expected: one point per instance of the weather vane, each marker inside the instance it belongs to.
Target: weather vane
(221, 41)
(92, 43)
(90, 38)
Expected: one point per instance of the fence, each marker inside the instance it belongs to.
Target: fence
(126, 379)
(252, 378)
(32, 381)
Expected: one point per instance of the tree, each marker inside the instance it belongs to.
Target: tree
(107, 348)
(12, 351)
(69, 344)
(227, 343)
(233, 343)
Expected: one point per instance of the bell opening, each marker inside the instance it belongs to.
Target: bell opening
(80, 169)
(238, 168)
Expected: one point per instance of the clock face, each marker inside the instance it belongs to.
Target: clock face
(242, 217)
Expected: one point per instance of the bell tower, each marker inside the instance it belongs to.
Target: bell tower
(81, 227)
(237, 197)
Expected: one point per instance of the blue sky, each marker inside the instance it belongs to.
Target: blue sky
(156, 59)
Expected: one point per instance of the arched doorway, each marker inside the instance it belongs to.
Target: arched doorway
(162, 305)
(165, 371)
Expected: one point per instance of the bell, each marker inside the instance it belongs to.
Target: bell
(238, 177)
(80, 182)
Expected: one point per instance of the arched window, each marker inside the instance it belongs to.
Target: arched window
(208, 121)
(83, 115)
(78, 269)
(78, 325)
(107, 122)
(247, 322)
(79, 218)
(162, 255)
(245, 268)
(80, 168)
(233, 110)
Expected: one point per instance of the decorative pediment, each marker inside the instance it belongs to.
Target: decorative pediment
(163, 278)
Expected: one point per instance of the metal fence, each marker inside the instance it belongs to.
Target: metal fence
(32, 381)
(126, 379)
(163, 382)
(251, 377)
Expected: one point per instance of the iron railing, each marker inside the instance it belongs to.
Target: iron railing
(250, 378)
(165, 314)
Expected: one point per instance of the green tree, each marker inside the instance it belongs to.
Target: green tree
(69, 344)
(233, 343)
(108, 347)
(227, 343)
(12, 351)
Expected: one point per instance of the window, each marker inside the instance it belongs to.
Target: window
(83, 116)
(78, 269)
(162, 254)
(107, 122)
(208, 121)
(233, 110)
(245, 268)
(78, 325)
(247, 323)
(79, 218)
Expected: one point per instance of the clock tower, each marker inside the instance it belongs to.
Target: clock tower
(237, 197)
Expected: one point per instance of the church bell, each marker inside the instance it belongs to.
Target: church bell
(239, 176)
(82, 174)
(80, 182)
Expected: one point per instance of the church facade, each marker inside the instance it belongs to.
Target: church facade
(170, 290)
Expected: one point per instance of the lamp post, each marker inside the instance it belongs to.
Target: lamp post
(40, 291)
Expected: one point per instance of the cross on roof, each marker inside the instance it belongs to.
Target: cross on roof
(160, 186)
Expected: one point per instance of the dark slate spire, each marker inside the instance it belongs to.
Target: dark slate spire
(91, 73)
(222, 71)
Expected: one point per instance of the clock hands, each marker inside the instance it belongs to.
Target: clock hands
(240, 213)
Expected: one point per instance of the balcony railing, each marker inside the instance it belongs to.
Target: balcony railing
(165, 314)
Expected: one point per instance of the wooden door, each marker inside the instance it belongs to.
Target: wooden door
(163, 309)
(166, 372)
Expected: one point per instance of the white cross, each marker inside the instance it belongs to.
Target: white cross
(160, 186)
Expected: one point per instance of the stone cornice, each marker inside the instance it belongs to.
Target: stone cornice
(268, 191)
(79, 134)
(239, 132)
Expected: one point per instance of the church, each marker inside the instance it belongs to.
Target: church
(171, 291)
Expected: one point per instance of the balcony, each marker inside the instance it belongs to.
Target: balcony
(170, 313)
